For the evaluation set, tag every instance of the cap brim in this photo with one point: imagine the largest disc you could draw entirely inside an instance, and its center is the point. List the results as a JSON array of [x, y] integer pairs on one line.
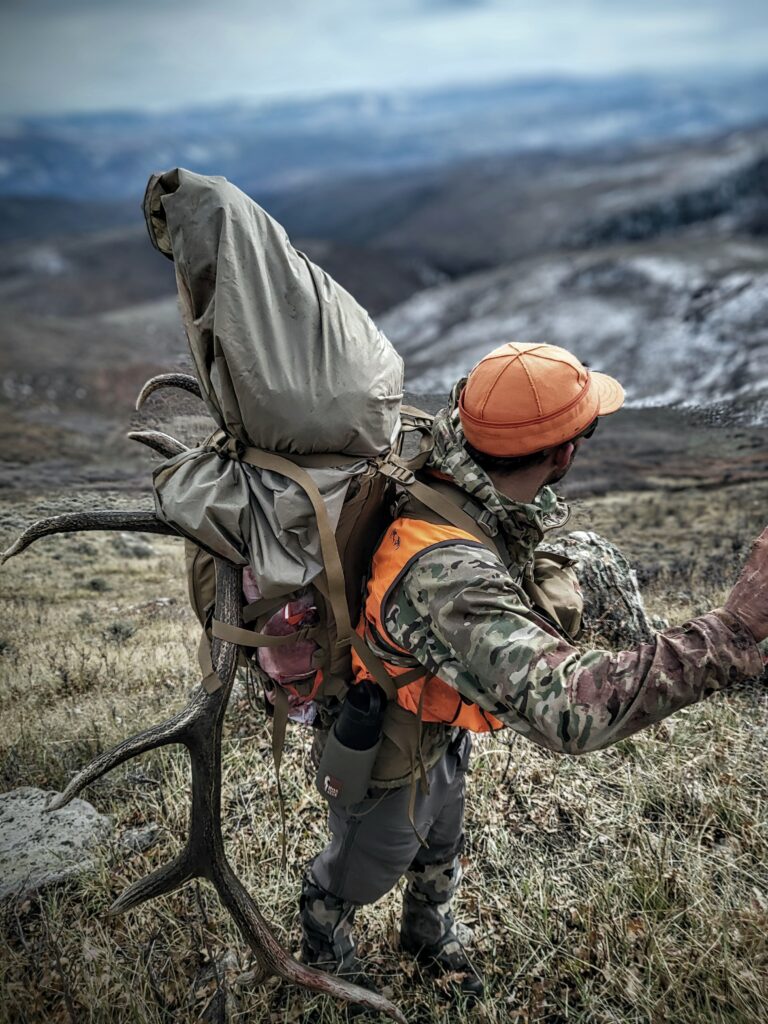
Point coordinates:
[[609, 392]]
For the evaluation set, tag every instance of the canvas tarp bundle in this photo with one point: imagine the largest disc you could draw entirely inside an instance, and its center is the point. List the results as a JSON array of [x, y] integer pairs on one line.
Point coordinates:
[[286, 358], [250, 516], [287, 361]]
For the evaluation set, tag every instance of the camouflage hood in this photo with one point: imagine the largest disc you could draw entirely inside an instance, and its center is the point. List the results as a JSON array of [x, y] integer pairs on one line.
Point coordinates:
[[522, 524]]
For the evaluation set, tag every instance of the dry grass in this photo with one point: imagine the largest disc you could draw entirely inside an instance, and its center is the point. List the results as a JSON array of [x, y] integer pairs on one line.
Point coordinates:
[[628, 885]]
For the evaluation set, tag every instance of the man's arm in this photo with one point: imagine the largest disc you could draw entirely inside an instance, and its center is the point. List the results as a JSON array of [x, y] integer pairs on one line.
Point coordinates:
[[459, 613]]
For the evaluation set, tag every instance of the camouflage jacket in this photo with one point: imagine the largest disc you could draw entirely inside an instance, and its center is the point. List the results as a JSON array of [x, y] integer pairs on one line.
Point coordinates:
[[460, 613]]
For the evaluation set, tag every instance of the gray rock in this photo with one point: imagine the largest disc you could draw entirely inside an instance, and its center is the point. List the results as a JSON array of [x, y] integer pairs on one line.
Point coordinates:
[[613, 606], [38, 847]]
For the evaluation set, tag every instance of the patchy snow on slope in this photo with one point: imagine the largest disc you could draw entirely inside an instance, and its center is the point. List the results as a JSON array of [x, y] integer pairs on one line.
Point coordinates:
[[675, 323]]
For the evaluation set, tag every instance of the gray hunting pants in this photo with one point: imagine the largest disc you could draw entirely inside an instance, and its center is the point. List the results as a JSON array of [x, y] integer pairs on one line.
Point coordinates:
[[373, 845]]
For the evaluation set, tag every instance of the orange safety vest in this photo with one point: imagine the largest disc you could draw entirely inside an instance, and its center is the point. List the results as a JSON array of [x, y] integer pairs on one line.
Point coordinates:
[[427, 696]]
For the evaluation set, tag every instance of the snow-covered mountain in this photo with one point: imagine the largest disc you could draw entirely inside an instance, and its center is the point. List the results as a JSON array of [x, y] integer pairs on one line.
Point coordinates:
[[678, 321]]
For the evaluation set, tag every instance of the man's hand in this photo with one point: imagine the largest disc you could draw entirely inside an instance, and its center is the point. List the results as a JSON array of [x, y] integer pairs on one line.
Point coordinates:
[[748, 600]]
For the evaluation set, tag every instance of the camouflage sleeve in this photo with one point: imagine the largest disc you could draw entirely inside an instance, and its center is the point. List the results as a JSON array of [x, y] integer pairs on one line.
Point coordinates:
[[458, 611]]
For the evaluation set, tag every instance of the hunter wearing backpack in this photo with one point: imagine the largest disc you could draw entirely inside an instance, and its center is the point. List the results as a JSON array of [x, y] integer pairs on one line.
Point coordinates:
[[465, 625], [491, 649]]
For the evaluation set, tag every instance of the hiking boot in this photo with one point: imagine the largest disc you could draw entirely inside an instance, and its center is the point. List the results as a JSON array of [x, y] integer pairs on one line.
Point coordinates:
[[351, 970], [449, 958]]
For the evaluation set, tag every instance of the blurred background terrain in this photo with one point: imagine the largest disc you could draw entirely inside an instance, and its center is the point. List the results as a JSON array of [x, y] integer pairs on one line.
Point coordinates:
[[626, 219]]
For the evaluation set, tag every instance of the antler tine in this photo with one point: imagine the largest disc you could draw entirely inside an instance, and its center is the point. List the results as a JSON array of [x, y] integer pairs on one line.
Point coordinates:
[[171, 731], [159, 442], [99, 519], [198, 727], [185, 381], [160, 882]]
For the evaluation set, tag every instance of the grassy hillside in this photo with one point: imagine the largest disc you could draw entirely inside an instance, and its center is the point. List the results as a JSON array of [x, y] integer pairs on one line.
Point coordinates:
[[627, 885]]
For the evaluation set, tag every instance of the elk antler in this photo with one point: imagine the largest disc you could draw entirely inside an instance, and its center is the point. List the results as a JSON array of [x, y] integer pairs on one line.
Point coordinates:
[[198, 727], [159, 442], [99, 519], [185, 381]]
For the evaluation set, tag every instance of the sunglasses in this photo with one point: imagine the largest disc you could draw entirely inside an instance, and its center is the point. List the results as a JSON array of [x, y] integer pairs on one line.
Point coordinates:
[[590, 429]]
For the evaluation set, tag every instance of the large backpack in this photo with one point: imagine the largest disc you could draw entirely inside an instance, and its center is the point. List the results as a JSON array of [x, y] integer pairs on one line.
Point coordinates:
[[338, 592], [306, 392]]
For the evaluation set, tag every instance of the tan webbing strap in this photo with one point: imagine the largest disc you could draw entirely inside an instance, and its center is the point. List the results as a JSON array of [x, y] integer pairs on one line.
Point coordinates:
[[422, 773], [437, 502], [406, 678], [279, 725], [389, 684], [210, 681], [415, 419], [476, 512], [330, 552], [250, 638], [225, 443], [321, 460], [374, 666], [263, 606], [446, 508], [443, 506]]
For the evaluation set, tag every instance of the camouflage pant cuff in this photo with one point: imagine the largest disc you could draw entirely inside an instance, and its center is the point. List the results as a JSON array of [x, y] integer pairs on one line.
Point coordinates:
[[427, 915], [433, 883], [327, 928]]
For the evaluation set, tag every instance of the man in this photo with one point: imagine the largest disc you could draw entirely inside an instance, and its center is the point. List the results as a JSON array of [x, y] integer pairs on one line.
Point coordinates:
[[491, 624]]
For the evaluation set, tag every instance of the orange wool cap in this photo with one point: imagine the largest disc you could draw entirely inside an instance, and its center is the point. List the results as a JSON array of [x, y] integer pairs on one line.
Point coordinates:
[[524, 398]]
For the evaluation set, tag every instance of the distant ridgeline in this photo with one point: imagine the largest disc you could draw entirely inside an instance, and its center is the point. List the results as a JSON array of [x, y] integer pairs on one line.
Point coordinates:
[[275, 145]]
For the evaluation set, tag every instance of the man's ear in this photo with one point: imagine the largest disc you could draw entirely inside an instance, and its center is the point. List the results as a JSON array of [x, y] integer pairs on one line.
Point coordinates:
[[563, 454]]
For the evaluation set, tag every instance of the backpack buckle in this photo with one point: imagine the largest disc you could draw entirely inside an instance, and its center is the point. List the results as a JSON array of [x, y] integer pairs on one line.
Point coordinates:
[[394, 471], [228, 447], [487, 522]]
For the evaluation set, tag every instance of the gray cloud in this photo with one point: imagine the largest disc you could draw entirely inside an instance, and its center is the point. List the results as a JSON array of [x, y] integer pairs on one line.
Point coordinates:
[[92, 54], [454, 5]]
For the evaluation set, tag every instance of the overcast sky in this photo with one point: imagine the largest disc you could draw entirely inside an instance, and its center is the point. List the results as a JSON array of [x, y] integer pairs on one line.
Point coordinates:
[[60, 55]]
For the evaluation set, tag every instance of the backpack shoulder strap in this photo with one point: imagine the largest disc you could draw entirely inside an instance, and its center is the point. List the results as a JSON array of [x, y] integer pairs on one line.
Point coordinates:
[[445, 501], [414, 419], [448, 502]]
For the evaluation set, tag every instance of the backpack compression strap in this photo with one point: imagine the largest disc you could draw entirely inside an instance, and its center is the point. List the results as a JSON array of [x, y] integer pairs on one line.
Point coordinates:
[[328, 548]]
